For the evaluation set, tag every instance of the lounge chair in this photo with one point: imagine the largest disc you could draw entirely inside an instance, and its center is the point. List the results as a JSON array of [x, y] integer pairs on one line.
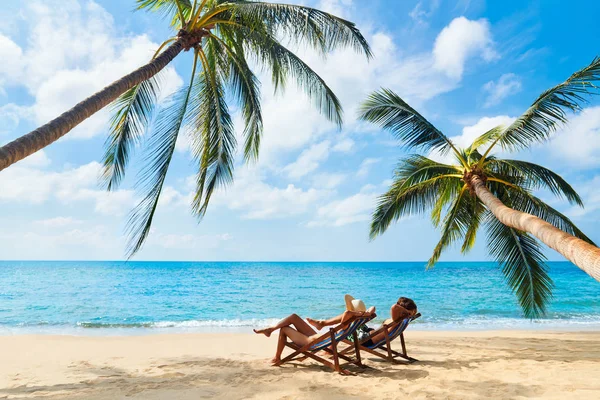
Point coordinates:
[[328, 342], [383, 348]]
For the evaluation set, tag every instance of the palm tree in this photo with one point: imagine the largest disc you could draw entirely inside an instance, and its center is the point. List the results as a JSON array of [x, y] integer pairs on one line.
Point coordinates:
[[480, 189], [225, 36]]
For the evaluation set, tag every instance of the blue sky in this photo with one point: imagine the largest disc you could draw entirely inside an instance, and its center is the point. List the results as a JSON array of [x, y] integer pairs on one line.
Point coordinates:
[[466, 65]]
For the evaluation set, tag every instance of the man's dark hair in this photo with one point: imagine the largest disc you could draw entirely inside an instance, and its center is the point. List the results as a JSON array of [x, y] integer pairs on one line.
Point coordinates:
[[407, 303]]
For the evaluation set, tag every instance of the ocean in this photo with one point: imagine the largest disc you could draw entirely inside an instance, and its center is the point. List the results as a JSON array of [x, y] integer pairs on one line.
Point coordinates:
[[105, 298]]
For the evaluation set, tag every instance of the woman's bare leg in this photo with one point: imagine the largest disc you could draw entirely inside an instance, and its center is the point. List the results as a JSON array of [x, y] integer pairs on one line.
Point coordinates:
[[294, 320], [297, 337], [280, 346]]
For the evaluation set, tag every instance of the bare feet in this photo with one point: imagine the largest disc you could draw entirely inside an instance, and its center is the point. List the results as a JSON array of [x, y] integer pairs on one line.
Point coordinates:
[[267, 331], [275, 360], [317, 323]]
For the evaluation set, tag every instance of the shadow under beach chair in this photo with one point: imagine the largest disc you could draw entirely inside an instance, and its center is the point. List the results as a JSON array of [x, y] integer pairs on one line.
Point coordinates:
[[382, 348], [328, 342]]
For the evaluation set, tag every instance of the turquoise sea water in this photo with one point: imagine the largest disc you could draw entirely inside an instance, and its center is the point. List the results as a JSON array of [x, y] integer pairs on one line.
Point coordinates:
[[154, 297]]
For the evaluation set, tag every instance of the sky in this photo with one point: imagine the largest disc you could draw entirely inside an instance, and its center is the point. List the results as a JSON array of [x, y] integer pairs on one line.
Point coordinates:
[[466, 65]]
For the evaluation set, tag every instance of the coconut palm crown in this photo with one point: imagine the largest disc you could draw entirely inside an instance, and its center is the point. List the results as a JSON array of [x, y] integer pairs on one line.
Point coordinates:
[[225, 37], [480, 190]]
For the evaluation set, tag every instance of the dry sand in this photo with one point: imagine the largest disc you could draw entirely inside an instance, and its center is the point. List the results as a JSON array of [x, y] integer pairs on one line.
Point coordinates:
[[453, 365]]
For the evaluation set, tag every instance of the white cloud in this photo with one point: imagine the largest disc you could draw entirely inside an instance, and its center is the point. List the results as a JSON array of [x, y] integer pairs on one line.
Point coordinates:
[[73, 242], [461, 40], [355, 208], [64, 63], [11, 54], [291, 122], [506, 85], [344, 146], [116, 203], [308, 160], [336, 7], [187, 241], [365, 166], [420, 15], [590, 194], [58, 222], [170, 195], [10, 116], [578, 143], [97, 237], [328, 180], [259, 200], [38, 159], [470, 133], [36, 186]]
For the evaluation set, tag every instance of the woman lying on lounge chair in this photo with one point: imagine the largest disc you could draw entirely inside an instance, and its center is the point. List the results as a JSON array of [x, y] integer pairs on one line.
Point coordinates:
[[301, 333], [404, 308]]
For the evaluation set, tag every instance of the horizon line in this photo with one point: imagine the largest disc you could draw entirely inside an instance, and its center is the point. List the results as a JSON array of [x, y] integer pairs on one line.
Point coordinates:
[[271, 261]]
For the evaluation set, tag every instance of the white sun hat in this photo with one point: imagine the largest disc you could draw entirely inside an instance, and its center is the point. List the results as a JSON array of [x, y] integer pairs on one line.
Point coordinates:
[[353, 304]]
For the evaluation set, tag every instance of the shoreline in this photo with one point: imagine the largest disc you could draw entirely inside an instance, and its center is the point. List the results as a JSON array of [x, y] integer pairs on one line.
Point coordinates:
[[247, 329], [453, 365]]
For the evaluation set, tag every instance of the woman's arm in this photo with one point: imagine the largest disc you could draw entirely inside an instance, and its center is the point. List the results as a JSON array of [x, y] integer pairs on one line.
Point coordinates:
[[349, 314]]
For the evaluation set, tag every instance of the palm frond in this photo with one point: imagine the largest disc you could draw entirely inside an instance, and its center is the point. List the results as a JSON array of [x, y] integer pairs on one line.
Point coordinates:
[[462, 221], [523, 265], [477, 217], [544, 116], [534, 176], [283, 63], [175, 10], [214, 140], [486, 138], [445, 196], [417, 168], [160, 149], [246, 89], [456, 224], [300, 24], [386, 109], [132, 113], [404, 200]]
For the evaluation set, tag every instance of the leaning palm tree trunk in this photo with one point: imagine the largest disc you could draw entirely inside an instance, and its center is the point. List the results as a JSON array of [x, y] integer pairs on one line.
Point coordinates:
[[579, 252], [52, 131]]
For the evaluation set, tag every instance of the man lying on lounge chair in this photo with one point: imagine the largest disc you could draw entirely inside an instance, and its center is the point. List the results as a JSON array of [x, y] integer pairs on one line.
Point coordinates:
[[301, 333], [404, 308]]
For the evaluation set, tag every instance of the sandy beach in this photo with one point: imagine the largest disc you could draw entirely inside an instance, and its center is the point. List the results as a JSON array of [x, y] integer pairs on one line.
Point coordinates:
[[453, 365]]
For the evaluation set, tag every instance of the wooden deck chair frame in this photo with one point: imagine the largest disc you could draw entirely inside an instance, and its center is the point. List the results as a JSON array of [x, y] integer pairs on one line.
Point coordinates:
[[384, 349], [301, 353]]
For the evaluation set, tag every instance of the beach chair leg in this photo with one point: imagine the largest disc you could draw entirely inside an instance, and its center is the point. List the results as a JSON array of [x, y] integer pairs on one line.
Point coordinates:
[[291, 356], [336, 360], [308, 354], [323, 361], [357, 351], [403, 344], [409, 359], [348, 348], [404, 353], [388, 345]]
